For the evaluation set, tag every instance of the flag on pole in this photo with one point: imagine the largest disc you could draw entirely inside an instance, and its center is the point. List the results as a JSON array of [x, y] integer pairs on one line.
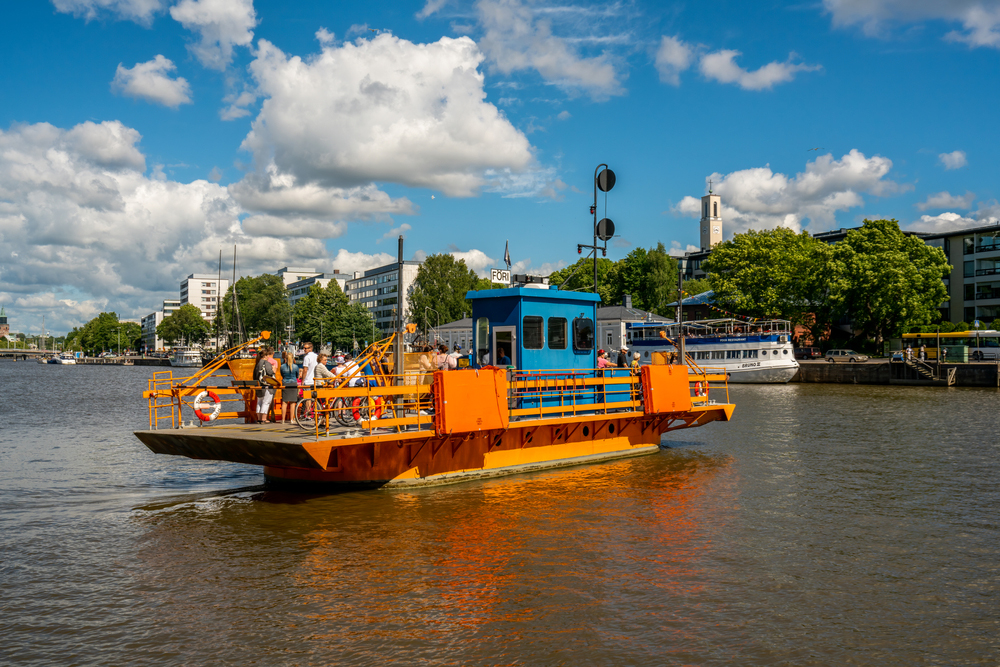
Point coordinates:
[[506, 254]]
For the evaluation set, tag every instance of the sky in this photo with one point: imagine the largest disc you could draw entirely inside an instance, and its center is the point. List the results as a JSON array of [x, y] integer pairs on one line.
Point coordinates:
[[139, 138]]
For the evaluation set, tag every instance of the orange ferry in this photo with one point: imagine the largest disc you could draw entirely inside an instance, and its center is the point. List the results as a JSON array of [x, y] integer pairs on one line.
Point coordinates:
[[383, 425]]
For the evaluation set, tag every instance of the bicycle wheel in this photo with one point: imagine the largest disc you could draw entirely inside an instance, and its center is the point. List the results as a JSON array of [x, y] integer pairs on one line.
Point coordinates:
[[342, 412], [305, 414]]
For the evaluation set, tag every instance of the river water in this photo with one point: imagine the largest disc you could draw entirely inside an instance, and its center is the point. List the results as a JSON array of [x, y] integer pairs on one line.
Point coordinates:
[[824, 525]]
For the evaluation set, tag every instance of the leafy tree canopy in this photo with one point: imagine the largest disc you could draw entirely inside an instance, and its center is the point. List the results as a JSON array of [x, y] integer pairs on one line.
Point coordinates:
[[579, 277], [697, 286], [263, 305], [441, 284], [325, 317], [184, 324], [772, 273], [885, 280], [105, 332]]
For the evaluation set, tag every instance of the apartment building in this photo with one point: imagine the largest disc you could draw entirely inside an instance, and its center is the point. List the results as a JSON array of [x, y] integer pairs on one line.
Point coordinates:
[[300, 288], [974, 282], [204, 291], [380, 290]]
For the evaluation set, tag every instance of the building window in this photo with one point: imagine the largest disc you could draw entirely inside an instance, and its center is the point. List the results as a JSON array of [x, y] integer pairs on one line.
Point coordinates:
[[970, 270], [531, 327], [557, 333], [970, 314], [715, 209], [583, 333], [968, 245], [970, 292]]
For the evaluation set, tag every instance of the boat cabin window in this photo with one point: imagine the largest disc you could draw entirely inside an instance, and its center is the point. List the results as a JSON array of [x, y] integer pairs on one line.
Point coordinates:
[[482, 338], [557, 333], [583, 333], [532, 327]]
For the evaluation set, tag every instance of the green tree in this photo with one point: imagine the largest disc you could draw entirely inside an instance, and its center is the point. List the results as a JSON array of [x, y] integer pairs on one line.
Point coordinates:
[[625, 277], [263, 305], [185, 323], [697, 286], [774, 273], [884, 280], [579, 277], [441, 284], [326, 316], [658, 284]]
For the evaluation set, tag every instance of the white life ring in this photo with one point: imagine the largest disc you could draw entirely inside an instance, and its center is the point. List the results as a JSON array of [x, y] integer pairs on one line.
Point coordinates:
[[199, 406], [699, 390]]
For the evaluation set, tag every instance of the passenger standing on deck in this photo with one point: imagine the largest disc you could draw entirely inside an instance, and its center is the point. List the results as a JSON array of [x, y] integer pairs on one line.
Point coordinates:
[[289, 385], [623, 358], [603, 361], [308, 365], [909, 352], [322, 372], [441, 360], [453, 358], [263, 369]]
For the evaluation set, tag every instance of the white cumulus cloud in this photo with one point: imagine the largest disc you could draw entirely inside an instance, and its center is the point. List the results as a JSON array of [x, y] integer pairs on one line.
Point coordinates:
[[953, 160], [382, 110], [221, 24], [517, 36], [980, 19], [759, 198], [81, 219], [947, 200], [721, 66], [151, 81], [673, 57]]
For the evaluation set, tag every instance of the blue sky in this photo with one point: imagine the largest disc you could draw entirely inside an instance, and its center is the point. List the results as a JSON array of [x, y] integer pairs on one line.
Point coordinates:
[[139, 137]]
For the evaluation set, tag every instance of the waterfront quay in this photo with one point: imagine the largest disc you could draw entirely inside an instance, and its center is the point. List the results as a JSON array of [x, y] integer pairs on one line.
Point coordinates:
[[123, 360], [882, 371]]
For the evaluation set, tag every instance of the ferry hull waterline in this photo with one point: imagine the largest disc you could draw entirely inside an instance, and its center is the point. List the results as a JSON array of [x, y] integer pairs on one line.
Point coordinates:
[[547, 407]]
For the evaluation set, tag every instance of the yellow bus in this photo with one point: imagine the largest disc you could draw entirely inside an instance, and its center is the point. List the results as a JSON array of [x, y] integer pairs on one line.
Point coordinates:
[[982, 345]]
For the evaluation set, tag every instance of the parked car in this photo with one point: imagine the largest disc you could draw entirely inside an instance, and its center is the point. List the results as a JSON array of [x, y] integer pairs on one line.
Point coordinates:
[[845, 355], [808, 353]]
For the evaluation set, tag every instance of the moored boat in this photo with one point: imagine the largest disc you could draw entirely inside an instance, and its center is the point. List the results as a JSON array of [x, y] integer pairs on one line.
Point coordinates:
[[186, 357], [64, 359], [750, 351], [545, 406]]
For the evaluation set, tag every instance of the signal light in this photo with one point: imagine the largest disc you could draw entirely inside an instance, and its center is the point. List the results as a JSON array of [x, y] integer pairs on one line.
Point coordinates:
[[593, 210], [579, 250]]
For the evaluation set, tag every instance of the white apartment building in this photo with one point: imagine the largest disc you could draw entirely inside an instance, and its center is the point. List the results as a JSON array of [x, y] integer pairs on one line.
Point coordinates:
[[294, 274], [204, 291], [300, 288], [379, 291]]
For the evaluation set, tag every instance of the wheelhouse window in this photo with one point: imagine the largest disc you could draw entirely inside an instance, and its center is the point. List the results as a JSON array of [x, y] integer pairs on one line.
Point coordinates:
[[557, 333], [583, 333], [531, 325]]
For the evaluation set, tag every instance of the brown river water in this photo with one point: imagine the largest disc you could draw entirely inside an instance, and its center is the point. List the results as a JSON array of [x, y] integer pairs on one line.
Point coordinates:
[[824, 525]]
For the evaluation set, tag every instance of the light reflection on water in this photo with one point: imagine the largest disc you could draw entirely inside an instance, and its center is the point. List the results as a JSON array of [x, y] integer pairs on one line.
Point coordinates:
[[824, 525]]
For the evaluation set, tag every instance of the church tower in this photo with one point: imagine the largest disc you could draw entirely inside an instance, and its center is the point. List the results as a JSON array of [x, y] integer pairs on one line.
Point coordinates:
[[711, 220]]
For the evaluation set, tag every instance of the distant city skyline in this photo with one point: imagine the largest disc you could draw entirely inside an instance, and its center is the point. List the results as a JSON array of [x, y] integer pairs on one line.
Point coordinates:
[[138, 138]]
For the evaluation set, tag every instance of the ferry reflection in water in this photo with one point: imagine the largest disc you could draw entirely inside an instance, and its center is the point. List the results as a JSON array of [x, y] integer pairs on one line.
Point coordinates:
[[552, 560]]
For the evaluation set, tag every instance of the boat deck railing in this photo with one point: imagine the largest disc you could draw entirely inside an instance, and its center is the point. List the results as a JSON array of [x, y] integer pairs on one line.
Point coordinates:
[[398, 404]]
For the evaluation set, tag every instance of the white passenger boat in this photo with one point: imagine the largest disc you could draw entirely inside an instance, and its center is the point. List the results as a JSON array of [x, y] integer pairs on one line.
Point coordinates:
[[65, 359], [186, 357], [751, 351]]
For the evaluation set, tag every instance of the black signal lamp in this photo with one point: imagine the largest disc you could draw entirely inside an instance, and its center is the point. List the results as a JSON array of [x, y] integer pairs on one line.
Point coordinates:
[[593, 209]]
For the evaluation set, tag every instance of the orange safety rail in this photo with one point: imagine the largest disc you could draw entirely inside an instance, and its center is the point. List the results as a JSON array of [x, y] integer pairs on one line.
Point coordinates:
[[393, 406]]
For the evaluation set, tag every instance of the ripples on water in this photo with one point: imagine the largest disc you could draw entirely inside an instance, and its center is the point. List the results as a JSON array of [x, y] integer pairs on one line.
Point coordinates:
[[825, 525]]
